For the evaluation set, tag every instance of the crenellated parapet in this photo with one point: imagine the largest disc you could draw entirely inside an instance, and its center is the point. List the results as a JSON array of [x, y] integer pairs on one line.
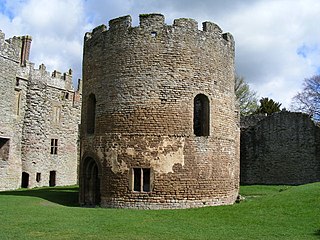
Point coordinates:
[[153, 24], [10, 49], [56, 78]]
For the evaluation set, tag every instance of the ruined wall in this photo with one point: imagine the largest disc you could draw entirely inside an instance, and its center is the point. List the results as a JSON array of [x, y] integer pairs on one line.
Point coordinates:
[[10, 131], [35, 108], [281, 149], [145, 80], [53, 113]]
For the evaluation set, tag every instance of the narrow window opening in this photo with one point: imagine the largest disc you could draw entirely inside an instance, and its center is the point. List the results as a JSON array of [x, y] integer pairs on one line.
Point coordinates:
[[137, 179], [91, 114], [141, 179], [146, 179], [54, 146], [38, 177], [66, 95], [201, 115]]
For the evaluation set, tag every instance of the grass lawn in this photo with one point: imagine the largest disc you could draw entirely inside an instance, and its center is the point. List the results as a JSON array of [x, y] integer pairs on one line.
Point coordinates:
[[268, 212]]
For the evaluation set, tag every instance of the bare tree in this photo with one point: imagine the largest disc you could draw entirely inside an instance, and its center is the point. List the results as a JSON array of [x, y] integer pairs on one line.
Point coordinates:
[[247, 99], [308, 100]]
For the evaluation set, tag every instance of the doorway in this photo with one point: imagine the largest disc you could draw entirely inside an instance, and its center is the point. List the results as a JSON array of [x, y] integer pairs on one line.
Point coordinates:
[[91, 183], [25, 180], [52, 179]]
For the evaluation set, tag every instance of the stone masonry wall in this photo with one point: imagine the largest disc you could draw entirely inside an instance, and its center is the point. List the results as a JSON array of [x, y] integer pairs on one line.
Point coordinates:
[[145, 80], [10, 134], [281, 149], [35, 108], [53, 113]]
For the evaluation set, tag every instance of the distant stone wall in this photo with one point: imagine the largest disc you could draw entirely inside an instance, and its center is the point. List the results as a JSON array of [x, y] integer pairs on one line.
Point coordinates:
[[283, 148], [53, 113], [10, 124], [36, 107], [144, 83]]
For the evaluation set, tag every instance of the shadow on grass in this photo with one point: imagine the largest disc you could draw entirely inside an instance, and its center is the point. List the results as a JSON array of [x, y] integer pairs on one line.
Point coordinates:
[[66, 196], [317, 233]]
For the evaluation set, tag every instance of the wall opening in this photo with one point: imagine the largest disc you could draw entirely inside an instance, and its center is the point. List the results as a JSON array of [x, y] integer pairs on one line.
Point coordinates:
[[91, 183], [38, 177], [4, 148], [201, 115], [91, 114], [141, 179], [54, 146], [25, 180], [52, 179]]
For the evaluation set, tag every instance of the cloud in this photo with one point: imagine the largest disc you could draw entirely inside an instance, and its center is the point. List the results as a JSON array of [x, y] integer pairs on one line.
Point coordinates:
[[277, 41], [57, 29], [269, 36]]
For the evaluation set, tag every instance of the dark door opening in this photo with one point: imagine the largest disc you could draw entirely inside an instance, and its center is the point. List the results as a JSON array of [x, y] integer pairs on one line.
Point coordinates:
[[25, 180], [52, 179], [91, 183]]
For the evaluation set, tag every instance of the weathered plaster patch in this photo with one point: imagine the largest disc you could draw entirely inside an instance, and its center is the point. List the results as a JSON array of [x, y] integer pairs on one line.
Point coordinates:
[[116, 166], [130, 151], [166, 157]]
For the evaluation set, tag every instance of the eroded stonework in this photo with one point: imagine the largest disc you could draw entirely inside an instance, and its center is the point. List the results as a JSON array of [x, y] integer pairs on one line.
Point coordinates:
[[282, 148], [159, 123], [39, 118]]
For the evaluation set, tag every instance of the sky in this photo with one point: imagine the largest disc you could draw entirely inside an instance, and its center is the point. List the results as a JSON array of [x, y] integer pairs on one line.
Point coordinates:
[[277, 41]]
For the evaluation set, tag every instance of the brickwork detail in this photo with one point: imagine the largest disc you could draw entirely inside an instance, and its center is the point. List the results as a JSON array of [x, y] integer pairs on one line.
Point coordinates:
[[280, 149], [145, 80], [35, 107]]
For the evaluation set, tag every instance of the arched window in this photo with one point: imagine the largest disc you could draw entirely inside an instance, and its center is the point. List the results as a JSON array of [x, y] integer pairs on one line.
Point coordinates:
[[201, 115], [91, 113]]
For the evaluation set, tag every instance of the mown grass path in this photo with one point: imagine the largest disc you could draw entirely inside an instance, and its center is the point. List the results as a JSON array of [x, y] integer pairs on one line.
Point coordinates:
[[268, 212]]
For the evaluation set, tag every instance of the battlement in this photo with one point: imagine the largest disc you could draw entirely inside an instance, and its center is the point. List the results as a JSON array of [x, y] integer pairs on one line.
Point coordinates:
[[153, 23], [56, 78], [62, 80], [154, 20], [120, 23], [10, 48]]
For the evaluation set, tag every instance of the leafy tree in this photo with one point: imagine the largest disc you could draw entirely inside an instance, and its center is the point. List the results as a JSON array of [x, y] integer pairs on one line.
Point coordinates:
[[308, 100], [268, 106], [247, 99]]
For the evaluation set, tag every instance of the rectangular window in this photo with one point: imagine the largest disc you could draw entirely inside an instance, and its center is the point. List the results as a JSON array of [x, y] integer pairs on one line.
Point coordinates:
[[141, 179], [54, 146], [38, 177]]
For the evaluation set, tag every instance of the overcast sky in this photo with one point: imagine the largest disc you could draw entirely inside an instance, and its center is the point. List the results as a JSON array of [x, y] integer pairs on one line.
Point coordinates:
[[277, 41]]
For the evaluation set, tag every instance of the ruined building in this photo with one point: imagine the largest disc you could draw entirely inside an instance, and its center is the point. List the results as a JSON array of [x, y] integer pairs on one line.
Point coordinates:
[[39, 117], [159, 124], [282, 148]]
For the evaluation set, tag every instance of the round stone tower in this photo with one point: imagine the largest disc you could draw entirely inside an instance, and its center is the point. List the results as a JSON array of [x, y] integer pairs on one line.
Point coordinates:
[[159, 123]]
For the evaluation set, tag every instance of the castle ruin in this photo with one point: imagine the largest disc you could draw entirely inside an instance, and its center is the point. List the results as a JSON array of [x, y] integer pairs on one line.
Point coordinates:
[[39, 117], [282, 148], [159, 123]]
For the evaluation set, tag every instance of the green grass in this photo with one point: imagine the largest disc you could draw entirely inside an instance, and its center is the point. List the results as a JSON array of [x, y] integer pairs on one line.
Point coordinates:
[[268, 212]]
